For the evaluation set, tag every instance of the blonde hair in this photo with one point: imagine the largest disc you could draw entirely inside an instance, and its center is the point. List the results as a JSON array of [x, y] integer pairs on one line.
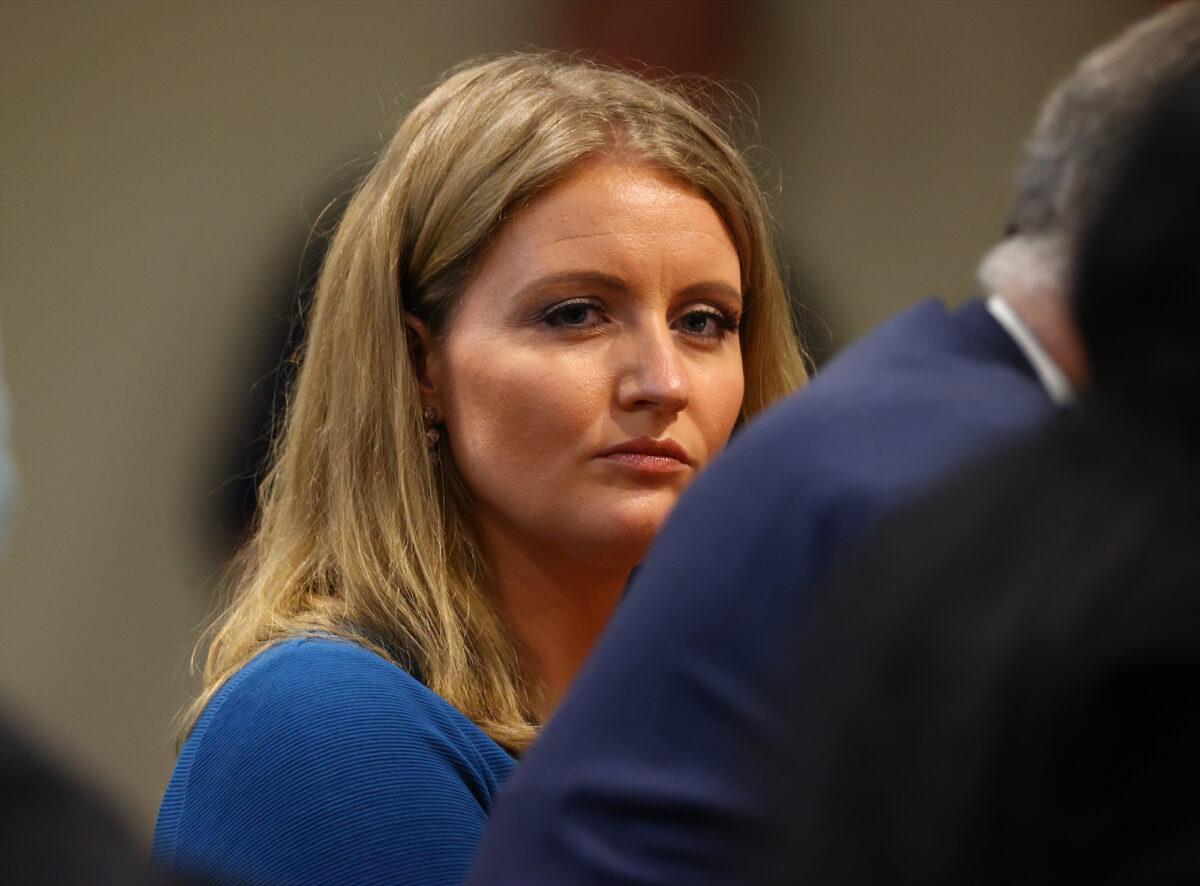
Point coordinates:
[[362, 534]]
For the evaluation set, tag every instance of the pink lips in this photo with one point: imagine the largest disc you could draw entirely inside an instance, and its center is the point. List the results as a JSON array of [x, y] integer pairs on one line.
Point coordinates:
[[648, 454]]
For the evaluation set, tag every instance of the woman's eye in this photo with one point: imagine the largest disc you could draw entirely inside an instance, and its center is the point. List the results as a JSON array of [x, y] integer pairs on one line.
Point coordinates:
[[573, 315], [706, 324]]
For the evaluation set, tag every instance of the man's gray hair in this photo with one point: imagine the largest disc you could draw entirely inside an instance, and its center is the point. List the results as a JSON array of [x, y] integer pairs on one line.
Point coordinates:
[[1078, 141]]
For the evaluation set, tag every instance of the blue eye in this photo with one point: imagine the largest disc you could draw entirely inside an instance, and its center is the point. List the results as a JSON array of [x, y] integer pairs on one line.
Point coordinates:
[[706, 324], [698, 323], [580, 314]]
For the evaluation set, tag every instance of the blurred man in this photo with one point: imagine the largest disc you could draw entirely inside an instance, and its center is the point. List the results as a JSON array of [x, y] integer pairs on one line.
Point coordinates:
[[657, 767], [1022, 705]]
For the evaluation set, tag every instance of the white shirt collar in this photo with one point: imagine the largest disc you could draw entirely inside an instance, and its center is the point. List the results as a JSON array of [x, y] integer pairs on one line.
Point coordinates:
[[1057, 386]]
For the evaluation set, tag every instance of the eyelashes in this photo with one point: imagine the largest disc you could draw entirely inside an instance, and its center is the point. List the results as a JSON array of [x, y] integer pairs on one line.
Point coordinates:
[[702, 321], [574, 313], [712, 322]]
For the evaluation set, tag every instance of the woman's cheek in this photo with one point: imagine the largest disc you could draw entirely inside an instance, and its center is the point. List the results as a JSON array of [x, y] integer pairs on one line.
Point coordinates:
[[523, 411]]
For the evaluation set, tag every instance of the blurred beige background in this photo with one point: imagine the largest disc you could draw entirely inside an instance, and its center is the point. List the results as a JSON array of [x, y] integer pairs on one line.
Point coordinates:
[[161, 164]]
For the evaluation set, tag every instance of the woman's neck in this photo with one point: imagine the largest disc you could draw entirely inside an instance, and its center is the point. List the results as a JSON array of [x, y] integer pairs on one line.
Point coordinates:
[[556, 607]]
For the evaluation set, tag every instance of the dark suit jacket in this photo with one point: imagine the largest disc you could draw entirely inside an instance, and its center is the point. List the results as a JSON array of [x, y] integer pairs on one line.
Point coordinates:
[[1006, 689], [653, 769]]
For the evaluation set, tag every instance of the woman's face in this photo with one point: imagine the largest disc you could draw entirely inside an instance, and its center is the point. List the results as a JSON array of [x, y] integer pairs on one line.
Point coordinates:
[[593, 366]]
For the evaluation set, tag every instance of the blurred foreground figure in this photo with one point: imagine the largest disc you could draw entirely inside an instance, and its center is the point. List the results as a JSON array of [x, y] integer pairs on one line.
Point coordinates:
[[659, 766], [53, 831], [1007, 689]]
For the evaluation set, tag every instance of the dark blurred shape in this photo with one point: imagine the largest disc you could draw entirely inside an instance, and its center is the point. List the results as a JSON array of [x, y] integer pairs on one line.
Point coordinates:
[[1139, 276], [270, 371], [243, 467], [55, 832], [681, 36]]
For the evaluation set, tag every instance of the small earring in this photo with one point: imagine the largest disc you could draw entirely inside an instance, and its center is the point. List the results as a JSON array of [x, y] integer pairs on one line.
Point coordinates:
[[430, 416]]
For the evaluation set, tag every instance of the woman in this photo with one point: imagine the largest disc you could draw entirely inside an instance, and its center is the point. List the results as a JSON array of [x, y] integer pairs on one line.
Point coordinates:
[[545, 309]]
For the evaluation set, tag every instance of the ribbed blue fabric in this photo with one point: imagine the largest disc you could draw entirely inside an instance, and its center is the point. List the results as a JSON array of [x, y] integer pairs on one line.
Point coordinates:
[[320, 762]]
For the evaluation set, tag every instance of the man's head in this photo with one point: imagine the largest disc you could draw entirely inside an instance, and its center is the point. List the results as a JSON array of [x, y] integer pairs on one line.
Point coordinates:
[[1079, 139], [1144, 241]]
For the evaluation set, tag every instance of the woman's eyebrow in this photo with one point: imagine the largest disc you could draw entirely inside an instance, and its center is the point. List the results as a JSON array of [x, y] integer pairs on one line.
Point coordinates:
[[597, 279], [602, 280], [713, 289]]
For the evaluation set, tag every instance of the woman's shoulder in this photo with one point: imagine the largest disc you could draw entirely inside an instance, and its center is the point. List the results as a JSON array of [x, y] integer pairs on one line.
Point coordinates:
[[315, 669], [322, 729], [326, 685], [321, 689]]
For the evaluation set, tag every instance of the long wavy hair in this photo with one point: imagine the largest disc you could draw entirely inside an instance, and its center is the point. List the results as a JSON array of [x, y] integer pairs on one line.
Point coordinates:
[[362, 533]]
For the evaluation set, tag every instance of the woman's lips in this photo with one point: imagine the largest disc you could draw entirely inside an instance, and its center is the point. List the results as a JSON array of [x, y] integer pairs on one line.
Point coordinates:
[[649, 455], [655, 464]]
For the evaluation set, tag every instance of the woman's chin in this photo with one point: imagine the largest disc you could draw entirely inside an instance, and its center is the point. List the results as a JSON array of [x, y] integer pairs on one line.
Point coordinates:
[[622, 539]]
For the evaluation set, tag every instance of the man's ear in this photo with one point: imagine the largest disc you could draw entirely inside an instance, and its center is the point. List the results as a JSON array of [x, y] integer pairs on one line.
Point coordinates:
[[426, 361]]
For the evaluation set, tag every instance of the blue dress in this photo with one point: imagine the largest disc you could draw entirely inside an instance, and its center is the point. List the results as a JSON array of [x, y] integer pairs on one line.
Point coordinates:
[[321, 762]]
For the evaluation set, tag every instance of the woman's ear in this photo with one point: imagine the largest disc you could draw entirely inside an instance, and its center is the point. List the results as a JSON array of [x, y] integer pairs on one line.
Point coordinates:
[[426, 361]]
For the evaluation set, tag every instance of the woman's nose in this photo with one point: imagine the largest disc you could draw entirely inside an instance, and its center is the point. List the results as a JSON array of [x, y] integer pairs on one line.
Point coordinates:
[[654, 376]]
